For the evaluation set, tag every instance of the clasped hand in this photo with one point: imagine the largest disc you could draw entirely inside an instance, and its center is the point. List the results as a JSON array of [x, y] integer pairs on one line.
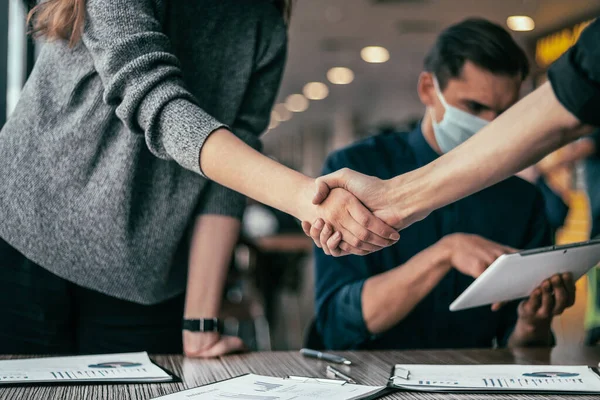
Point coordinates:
[[345, 221], [362, 216]]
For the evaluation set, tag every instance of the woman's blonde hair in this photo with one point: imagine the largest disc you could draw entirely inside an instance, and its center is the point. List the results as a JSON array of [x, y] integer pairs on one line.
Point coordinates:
[[64, 19], [58, 19]]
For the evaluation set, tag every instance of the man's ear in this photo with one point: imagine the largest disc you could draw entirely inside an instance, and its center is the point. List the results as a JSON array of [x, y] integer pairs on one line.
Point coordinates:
[[426, 89]]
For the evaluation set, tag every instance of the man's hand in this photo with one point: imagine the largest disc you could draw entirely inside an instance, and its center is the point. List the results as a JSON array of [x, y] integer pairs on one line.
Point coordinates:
[[472, 254], [387, 298], [210, 345], [551, 298], [353, 226], [371, 191], [389, 202]]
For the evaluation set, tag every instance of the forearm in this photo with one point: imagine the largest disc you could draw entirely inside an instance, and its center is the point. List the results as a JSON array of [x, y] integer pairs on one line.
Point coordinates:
[[230, 162], [530, 335], [211, 248], [389, 297], [532, 128]]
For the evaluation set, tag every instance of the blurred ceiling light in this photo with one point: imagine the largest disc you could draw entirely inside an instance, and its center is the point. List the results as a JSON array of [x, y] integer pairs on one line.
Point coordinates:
[[283, 114], [340, 75], [316, 90], [296, 103], [520, 23], [274, 120], [375, 54], [275, 116]]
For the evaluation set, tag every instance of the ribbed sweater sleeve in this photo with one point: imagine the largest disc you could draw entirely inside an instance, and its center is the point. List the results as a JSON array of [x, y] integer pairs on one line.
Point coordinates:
[[143, 79]]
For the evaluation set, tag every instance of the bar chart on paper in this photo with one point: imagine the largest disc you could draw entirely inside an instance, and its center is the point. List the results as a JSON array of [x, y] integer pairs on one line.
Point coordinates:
[[499, 378], [128, 367], [259, 387]]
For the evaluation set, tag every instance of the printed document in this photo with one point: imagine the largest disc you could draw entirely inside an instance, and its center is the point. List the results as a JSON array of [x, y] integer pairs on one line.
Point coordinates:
[[128, 367], [496, 378], [257, 387]]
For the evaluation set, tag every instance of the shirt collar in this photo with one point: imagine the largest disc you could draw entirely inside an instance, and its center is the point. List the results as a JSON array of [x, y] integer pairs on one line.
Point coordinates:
[[424, 153]]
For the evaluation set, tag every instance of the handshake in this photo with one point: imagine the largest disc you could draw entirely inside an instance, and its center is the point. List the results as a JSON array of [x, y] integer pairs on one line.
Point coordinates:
[[358, 214]]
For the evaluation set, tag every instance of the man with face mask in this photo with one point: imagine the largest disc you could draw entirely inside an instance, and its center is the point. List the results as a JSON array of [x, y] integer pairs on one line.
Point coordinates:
[[399, 297]]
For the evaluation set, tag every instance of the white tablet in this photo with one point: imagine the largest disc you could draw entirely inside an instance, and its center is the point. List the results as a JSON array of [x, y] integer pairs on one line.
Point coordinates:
[[515, 276]]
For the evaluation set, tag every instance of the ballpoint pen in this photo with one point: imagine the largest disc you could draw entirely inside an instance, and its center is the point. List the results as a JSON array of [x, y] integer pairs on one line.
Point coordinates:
[[334, 373], [325, 356]]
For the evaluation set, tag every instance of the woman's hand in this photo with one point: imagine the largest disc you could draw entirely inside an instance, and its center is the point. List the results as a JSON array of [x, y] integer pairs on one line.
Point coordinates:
[[210, 344], [345, 219], [393, 203], [211, 248], [229, 161]]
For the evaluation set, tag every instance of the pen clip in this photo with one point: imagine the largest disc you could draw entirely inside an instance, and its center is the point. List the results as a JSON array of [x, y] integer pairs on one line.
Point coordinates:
[[330, 371], [404, 373]]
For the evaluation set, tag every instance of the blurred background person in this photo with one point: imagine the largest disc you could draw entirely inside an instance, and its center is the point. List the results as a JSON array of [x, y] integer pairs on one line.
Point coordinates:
[[399, 298]]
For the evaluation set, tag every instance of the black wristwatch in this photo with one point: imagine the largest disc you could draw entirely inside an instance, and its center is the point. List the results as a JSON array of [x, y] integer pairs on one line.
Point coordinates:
[[203, 325]]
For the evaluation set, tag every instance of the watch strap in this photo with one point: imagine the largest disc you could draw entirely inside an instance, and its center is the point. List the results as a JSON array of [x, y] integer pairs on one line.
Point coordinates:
[[203, 325]]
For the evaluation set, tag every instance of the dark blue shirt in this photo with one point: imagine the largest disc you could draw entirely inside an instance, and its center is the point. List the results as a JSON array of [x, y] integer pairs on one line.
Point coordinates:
[[510, 212], [556, 208]]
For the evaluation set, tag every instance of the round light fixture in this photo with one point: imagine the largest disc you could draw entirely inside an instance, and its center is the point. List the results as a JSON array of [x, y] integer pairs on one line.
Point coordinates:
[[316, 91], [340, 75], [296, 103], [375, 54], [283, 114], [520, 23]]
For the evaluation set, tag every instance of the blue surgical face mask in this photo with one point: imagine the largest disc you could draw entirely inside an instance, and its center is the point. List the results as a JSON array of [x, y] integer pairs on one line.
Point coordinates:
[[456, 126]]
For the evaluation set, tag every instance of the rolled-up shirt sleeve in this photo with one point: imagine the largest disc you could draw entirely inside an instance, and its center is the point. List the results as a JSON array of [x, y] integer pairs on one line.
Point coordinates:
[[575, 76], [142, 78], [339, 284]]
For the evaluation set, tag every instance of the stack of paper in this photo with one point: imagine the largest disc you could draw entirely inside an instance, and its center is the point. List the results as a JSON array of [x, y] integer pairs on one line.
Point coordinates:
[[496, 378], [128, 367], [257, 387]]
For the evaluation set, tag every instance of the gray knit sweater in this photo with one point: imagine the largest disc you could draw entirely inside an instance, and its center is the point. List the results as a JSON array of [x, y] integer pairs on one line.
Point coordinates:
[[99, 163]]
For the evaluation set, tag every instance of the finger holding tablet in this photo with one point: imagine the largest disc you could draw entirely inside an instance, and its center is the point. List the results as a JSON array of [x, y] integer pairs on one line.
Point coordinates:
[[546, 276], [551, 298]]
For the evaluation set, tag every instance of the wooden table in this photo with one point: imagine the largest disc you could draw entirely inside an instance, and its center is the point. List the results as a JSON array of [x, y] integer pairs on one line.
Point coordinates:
[[370, 368]]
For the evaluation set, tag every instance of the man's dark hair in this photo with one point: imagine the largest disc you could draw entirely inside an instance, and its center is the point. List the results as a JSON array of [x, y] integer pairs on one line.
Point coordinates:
[[485, 44]]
